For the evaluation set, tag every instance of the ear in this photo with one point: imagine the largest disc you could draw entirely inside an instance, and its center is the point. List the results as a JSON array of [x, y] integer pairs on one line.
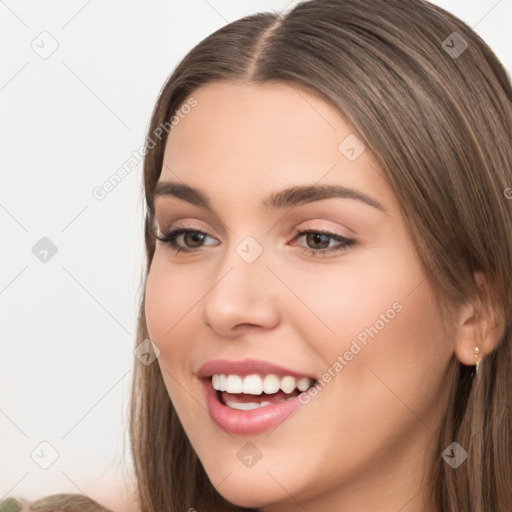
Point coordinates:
[[480, 324]]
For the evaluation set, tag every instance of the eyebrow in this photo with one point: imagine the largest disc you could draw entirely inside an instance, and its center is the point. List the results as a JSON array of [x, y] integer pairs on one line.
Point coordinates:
[[289, 197]]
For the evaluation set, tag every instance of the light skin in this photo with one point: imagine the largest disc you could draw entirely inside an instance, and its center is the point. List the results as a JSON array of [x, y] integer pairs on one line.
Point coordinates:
[[362, 441]]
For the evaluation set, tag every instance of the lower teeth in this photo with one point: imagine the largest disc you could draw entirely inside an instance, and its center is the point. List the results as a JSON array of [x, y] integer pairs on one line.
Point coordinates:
[[247, 406]]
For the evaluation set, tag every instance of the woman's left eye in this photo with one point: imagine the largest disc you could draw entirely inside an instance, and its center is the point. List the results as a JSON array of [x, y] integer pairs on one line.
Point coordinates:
[[320, 237], [316, 238]]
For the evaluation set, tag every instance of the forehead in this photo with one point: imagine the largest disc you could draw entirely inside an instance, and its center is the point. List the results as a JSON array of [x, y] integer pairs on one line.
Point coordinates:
[[255, 137], [277, 114]]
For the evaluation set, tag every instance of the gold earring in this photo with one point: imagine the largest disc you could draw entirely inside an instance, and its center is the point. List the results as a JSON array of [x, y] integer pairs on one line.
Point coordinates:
[[478, 358], [477, 354]]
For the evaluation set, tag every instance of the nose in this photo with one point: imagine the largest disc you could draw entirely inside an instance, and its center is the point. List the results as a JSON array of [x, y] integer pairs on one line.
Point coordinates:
[[241, 297]]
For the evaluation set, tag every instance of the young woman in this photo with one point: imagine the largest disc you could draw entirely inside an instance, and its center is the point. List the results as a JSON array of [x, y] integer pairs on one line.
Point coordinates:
[[329, 268]]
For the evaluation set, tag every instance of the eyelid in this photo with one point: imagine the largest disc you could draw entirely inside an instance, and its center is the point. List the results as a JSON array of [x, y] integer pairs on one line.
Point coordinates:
[[320, 225], [169, 213], [184, 225]]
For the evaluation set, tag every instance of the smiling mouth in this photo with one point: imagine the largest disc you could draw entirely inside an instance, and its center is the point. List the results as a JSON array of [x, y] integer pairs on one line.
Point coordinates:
[[255, 391]]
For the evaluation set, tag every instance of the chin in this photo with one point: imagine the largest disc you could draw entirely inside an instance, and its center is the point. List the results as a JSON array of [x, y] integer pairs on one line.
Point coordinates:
[[250, 494], [253, 487]]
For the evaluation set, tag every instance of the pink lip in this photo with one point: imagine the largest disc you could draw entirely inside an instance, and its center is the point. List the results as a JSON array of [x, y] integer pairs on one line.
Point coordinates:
[[246, 367], [254, 421]]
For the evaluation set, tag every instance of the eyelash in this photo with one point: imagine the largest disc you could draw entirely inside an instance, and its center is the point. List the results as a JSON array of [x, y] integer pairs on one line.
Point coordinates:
[[170, 239]]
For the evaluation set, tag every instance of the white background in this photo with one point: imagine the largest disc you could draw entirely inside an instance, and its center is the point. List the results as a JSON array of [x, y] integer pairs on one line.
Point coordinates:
[[68, 123]]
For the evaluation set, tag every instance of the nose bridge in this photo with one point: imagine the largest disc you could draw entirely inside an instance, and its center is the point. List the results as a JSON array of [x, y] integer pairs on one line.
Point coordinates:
[[240, 293], [243, 263]]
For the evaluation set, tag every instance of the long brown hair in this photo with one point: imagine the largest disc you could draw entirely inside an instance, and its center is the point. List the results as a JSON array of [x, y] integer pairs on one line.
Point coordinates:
[[435, 108]]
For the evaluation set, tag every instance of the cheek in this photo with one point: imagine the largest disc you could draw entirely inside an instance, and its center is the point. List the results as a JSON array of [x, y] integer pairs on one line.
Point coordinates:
[[382, 311], [167, 305], [168, 301], [157, 302]]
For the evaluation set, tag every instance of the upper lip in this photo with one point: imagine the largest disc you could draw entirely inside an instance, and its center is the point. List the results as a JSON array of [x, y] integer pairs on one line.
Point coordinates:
[[244, 367]]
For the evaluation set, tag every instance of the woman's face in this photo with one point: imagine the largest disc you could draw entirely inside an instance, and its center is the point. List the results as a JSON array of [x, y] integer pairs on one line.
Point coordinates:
[[353, 309]]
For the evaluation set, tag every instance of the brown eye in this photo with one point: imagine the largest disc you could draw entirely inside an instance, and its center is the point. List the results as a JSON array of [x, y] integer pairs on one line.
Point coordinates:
[[192, 238], [318, 242], [316, 239]]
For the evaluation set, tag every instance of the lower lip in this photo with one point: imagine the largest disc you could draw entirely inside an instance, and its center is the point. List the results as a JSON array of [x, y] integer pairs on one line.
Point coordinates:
[[254, 421]]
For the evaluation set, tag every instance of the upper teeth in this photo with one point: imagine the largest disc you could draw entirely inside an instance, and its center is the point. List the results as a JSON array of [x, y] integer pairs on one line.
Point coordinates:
[[255, 385]]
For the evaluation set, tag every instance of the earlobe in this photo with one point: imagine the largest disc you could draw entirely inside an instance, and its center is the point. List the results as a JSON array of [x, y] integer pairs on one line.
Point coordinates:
[[468, 345], [478, 333]]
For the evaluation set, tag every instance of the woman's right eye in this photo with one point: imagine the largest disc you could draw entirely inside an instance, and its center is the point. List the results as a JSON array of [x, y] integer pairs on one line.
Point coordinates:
[[189, 235]]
